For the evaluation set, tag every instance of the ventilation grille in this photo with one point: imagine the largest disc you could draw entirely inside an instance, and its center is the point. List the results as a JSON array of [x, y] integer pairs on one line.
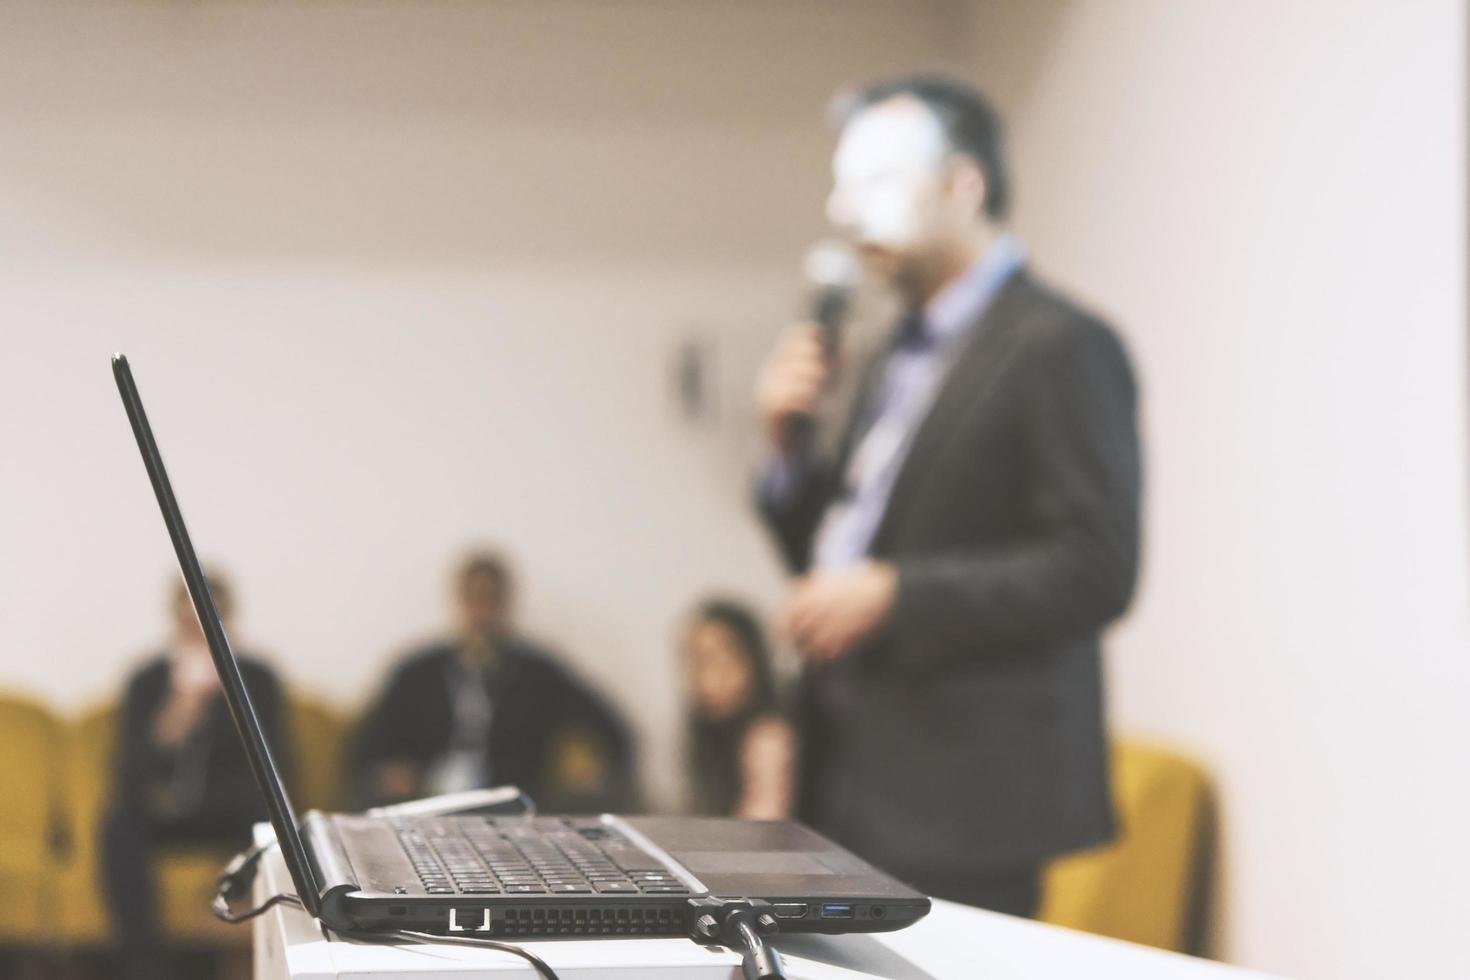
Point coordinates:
[[589, 922]]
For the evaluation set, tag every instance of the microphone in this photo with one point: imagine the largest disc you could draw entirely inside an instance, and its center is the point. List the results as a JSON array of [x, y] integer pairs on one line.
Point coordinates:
[[832, 274], [832, 271]]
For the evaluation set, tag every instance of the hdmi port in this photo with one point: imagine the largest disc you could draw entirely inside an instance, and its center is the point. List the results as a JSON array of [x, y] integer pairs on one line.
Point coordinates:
[[790, 910]]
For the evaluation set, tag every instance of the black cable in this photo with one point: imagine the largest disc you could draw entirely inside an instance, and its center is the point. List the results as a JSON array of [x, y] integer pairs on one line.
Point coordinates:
[[222, 911], [235, 881], [740, 925], [757, 960], [537, 963]]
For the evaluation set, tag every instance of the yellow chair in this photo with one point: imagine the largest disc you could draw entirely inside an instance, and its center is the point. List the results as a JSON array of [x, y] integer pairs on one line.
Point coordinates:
[[1145, 886], [319, 736], [85, 786], [32, 738], [187, 876], [578, 770]]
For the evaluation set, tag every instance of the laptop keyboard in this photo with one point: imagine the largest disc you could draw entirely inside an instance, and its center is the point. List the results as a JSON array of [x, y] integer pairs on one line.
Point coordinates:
[[541, 856]]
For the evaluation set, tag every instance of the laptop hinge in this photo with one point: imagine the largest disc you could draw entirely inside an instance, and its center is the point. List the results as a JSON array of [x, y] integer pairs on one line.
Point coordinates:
[[329, 861]]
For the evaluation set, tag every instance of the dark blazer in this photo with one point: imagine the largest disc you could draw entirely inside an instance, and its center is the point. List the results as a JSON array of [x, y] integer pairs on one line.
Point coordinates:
[[966, 738], [533, 700], [228, 802]]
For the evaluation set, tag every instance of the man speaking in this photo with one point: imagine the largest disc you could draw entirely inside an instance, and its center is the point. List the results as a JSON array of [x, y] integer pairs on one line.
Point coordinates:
[[976, 529]]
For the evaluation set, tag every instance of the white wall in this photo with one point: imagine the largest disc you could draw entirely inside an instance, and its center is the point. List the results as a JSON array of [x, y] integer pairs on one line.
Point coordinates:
[[398, 277], [1269, 199], [401, 276]]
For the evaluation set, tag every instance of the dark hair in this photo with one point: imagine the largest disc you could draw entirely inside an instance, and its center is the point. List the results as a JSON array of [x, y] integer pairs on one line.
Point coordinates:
[[715, 744], [751, 639], [219, 589], [971, 126], [488, 563]]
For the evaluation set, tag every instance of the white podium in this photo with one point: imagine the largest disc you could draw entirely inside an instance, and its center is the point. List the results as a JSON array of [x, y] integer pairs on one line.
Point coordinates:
[[953, 942]]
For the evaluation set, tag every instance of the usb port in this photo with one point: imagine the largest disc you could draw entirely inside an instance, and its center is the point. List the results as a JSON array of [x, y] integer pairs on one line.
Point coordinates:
[[830, 911], [790, 910]]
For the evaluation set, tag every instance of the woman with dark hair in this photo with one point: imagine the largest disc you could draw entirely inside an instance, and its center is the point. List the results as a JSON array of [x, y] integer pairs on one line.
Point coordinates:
[[741, 749]]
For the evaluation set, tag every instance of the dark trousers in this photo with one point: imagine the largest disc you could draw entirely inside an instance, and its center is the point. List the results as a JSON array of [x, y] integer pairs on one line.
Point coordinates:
[[1015, 893], [129, 845]]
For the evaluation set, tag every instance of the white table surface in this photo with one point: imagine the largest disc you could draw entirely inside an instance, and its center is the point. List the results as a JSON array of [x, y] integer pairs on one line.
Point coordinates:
[[953, 942]]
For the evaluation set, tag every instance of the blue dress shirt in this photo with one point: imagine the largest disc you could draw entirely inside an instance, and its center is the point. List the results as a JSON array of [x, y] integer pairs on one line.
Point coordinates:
[[912, 373]]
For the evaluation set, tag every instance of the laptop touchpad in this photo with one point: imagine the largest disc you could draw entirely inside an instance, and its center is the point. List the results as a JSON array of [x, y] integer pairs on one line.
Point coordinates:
[[752, 863]]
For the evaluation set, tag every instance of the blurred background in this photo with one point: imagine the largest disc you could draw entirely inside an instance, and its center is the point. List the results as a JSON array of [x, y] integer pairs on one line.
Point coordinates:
[[402, 277]]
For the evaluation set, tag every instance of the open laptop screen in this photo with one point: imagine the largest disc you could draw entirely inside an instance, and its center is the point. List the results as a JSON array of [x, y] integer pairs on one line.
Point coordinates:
[[262, 765]]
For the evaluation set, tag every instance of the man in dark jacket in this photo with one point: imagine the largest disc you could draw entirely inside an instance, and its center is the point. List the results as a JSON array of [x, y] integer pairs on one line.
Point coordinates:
[[490, 708], [976, 529]]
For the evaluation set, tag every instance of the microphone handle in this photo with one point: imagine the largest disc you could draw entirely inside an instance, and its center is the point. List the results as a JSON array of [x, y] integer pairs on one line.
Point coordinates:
[[801, 436], [828, 311]]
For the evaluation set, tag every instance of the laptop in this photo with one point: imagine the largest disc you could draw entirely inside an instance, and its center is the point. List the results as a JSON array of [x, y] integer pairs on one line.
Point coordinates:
[[530, 875]]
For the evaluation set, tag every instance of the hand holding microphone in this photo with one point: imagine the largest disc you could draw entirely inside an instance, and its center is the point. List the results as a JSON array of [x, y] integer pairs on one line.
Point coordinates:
[[798, 372], [791, 383]]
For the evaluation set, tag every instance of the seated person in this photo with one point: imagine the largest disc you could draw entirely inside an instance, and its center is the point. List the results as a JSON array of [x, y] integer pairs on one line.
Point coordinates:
[[489, 708], [181, 775], [741, 750]]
